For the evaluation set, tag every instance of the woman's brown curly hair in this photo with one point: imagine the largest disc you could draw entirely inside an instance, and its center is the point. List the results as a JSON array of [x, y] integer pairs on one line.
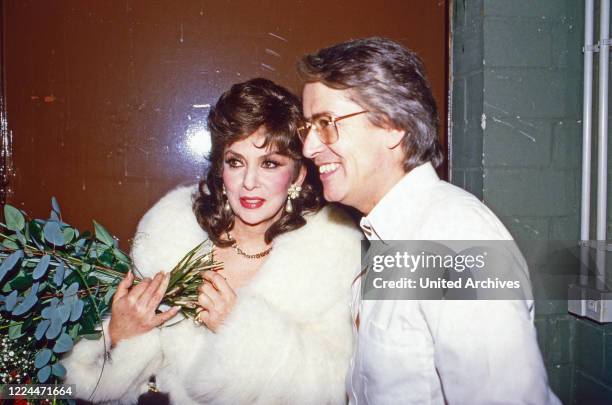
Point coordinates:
[[238, 113]]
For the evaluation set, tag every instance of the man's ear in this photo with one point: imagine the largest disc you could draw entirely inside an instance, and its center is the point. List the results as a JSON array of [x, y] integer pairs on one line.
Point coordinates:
[[301, 175], [394, 137]]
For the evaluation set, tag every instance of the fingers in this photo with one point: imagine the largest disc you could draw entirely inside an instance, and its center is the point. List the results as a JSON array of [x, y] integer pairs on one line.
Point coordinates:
[[208, 289], [159, 319], [203, 317], [219, 282], [205, 301], [138, 290], [124, 286], [154, 293]]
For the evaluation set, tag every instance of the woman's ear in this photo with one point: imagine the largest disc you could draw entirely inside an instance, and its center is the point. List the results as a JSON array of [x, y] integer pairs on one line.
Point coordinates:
[[301, 175]]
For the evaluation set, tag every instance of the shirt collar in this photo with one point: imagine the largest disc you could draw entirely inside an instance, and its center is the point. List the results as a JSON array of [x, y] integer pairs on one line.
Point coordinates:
[[381, 222]]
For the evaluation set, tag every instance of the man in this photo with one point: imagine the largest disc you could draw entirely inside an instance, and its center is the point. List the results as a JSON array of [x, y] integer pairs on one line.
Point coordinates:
[[371, 130]]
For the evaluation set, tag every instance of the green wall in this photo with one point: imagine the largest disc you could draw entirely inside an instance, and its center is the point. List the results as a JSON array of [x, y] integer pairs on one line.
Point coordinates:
[[516, 144]]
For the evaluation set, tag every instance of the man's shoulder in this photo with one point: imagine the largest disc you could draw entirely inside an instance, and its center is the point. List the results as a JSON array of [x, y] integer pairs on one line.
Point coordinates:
[[450, 212]]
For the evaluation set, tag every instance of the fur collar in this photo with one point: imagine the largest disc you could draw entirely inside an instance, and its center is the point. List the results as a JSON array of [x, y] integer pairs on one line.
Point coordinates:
[[300, 259]]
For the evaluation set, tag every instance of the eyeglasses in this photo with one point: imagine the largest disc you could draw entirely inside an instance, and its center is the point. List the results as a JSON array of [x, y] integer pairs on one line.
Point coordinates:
[[326, 127]]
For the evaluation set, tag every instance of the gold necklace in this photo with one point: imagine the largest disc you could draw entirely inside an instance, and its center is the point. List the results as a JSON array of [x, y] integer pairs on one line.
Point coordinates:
[[244, 254]]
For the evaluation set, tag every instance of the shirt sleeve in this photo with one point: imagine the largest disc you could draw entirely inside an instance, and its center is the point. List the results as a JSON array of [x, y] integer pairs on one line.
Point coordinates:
[[487, 352]]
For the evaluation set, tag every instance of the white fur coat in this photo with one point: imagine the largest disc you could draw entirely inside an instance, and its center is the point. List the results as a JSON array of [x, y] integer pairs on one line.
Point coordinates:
[[287, 341]]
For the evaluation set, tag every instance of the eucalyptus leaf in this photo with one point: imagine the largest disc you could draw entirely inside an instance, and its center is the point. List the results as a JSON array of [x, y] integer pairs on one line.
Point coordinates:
[[21, 238], [120, 255], [53, 233], [63, 311], [63, 344], [36, 234], [92, 336], [41, 267], [68, 300], [28, 302], [67, 273], [72, 290], [15, 331], [55, 206], [79, 246], [25, 305], [107, 257], [10, 244], [29, 262], [102, 235], [109, 295], [14, 218], [103, 277], [58, 370], [74, 332], [11, 300], [43, 374], [34, 288], [42, 358], [47, 312], [122, 267], [76, 310], [10, 262], [58, 277], [68, 235], [41, 328], [54, 217], [55, 328]]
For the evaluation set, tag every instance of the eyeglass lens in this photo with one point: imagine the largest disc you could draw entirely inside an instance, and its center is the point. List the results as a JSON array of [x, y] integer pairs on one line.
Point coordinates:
[[326, 130]]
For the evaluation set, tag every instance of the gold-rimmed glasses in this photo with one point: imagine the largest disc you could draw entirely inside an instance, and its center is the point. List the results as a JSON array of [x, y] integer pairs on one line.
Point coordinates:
[[325, 124]]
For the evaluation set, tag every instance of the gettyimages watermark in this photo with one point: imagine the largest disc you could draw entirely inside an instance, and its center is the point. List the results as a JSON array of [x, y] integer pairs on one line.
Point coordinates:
[[471, 270]]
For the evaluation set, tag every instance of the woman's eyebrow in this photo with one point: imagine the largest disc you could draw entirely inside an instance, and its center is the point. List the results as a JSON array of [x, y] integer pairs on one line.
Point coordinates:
[[229, 151], [271, 154]]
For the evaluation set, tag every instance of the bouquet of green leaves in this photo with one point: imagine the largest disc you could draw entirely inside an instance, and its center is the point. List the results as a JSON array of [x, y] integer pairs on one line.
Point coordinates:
[[56, 285]]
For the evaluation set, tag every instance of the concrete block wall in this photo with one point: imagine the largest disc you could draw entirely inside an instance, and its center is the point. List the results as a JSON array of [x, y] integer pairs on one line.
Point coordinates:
[[516, 144], [532, 109], [468, 96]]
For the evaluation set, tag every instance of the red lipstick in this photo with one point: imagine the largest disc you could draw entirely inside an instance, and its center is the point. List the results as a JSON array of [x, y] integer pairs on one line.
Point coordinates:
[[251, 202]]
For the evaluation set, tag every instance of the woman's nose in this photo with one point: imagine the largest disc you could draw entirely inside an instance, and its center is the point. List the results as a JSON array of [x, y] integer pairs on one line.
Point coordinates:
[[250, 178]]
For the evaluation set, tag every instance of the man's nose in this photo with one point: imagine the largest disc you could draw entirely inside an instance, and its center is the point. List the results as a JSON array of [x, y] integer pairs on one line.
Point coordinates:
[[312, 144]]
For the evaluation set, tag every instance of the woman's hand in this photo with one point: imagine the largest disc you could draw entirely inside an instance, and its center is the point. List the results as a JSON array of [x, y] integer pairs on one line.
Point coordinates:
[[217, 299], [133, 309]]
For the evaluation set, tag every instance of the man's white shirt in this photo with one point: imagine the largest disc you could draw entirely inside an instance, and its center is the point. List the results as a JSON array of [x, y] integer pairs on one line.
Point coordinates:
[[442, 352]]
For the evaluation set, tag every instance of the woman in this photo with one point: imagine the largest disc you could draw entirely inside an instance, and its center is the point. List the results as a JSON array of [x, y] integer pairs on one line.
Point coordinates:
[[274, 325]]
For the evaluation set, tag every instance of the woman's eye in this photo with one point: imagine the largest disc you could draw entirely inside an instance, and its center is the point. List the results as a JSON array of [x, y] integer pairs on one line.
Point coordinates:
[[270, 164], [233, 162]]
